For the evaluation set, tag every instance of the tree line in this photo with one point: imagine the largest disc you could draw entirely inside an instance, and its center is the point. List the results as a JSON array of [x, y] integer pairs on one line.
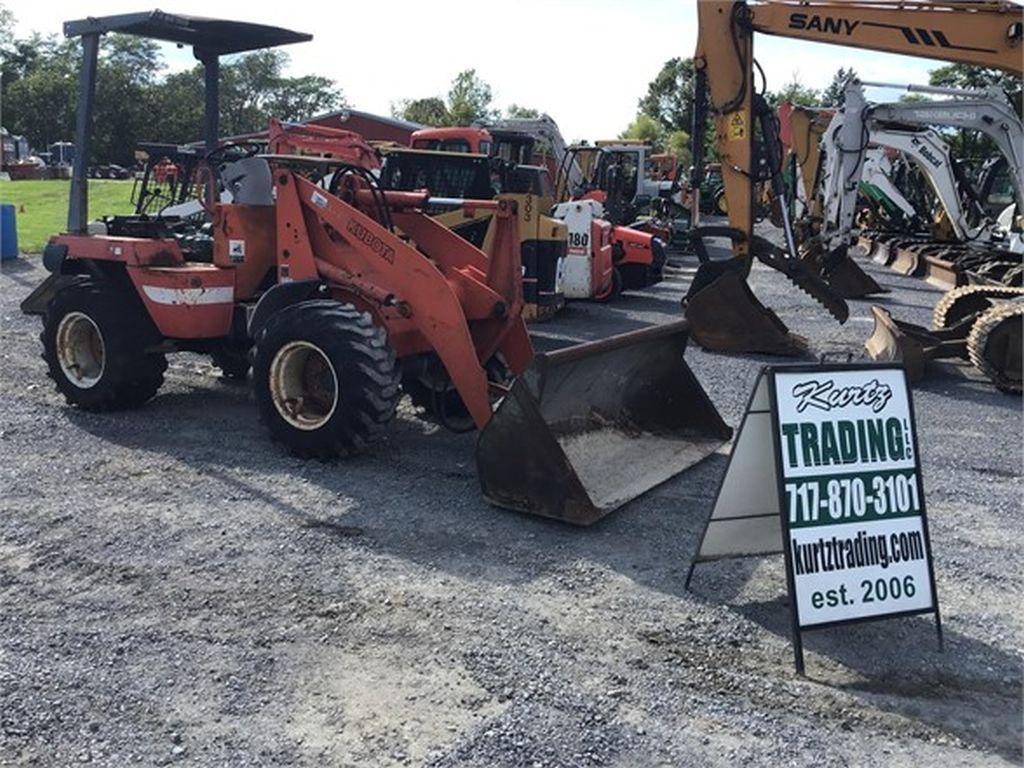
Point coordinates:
[[469, 100], [137, 99], [664, 115]]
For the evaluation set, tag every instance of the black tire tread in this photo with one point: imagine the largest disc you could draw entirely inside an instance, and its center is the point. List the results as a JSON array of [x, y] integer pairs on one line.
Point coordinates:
[[133, 375], [371, 396]]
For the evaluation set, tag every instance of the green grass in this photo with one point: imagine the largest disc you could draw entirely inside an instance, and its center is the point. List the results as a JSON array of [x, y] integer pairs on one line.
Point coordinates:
[[42, 206]]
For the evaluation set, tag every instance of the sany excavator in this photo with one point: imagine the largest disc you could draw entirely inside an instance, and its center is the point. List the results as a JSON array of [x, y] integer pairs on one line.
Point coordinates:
[[723, 312]]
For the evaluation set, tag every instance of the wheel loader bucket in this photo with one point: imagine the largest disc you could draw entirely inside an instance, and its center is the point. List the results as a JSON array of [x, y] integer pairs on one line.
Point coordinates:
[[588, 428], [726, 316]]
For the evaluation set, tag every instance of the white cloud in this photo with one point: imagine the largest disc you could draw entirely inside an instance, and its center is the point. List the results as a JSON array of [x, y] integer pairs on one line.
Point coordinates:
[[586, 63]]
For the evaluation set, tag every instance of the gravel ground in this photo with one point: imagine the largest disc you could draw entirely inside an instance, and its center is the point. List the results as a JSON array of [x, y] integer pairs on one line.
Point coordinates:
[[176, 590]]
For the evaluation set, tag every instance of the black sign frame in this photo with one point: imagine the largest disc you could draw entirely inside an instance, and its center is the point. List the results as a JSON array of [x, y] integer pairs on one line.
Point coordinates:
[[796, 629]]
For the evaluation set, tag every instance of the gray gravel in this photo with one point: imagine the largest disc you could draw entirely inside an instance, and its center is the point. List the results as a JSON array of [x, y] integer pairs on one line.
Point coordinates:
[[176, 590]]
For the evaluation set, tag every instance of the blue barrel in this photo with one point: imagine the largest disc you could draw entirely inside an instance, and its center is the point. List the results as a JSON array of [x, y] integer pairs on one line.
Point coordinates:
[[8, 232]]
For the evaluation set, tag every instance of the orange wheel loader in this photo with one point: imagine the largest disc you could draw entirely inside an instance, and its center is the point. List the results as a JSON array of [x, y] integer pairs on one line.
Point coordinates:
[[349, 296]]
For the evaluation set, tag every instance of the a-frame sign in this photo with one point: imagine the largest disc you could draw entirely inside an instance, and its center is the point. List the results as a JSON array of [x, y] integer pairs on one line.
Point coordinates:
[[825, 469]]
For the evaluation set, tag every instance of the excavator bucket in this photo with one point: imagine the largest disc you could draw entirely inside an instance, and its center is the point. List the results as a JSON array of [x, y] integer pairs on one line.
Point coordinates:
[[850, 281], [726, 316], [841, 272], [587, 428], [898, 341], [906, 262]]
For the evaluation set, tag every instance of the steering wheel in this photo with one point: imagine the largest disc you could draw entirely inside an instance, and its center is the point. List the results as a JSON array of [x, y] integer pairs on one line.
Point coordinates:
[[235, 150]]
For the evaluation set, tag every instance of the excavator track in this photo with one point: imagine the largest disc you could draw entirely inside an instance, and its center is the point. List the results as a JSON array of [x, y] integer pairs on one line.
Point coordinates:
[[994, 345], [966, 300]]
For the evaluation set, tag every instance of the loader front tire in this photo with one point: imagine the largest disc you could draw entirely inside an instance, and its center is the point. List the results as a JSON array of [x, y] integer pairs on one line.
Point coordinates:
[[95, 338], [325, 379]]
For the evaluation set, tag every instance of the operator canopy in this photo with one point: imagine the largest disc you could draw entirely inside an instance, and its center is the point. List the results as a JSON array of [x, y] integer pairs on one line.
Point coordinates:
[[210, 36]]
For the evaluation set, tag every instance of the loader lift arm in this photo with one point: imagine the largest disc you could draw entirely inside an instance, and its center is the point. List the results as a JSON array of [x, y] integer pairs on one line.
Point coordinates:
[[981, 33]]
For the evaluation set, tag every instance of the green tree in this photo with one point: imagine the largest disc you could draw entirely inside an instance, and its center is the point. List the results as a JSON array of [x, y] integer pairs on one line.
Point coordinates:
[[122, 115], [260, 92], [678, 143], [514, 111], [469, 99], [971, 145], [178, 106], [834, 94], [646, 129], [795, 93], [246, 86], [40, 101], [6, 25], [429, 111], [669, 97], [967, 76], [299, 98]]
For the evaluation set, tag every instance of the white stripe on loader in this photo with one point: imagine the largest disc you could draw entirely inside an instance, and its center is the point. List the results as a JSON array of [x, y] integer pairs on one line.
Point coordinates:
[[192, 296]]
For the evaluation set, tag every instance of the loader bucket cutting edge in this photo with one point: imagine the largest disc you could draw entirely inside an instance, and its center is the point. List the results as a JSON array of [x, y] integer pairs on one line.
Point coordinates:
[[590, 427]]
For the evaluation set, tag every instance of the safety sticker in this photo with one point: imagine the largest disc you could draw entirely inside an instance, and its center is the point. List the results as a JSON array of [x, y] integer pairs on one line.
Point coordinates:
[[236, 251], [737, 126]]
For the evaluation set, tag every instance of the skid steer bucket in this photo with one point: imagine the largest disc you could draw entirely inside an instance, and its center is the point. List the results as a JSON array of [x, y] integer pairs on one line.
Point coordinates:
[[588, 428]]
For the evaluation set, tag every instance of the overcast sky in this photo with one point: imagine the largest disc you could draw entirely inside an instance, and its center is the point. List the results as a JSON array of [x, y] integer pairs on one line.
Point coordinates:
[[584, 62]]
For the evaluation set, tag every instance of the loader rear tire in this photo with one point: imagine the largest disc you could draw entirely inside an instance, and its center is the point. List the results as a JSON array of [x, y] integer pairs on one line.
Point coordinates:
[[325, 379], [95, 338]]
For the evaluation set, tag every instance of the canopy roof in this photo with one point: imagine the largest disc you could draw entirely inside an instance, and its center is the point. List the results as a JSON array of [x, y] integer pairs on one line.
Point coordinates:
[[210, 36]]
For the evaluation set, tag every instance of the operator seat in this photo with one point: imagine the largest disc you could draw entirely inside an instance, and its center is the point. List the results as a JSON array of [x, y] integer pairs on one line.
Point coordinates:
[[249, 181]]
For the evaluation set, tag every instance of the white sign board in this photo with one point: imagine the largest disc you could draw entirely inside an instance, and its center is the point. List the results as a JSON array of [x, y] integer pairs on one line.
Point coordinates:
[[824, 468], [853, 508]]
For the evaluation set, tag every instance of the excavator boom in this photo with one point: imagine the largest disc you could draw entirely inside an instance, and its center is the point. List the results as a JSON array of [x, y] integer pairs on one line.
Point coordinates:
[[986, 34]]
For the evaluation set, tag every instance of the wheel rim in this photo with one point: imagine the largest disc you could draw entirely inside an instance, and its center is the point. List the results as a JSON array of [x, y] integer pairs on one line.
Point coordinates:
[[303, 385], [80, 350]]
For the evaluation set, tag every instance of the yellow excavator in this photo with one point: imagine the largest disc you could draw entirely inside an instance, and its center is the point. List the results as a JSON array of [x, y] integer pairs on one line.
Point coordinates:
[[722, 311]]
